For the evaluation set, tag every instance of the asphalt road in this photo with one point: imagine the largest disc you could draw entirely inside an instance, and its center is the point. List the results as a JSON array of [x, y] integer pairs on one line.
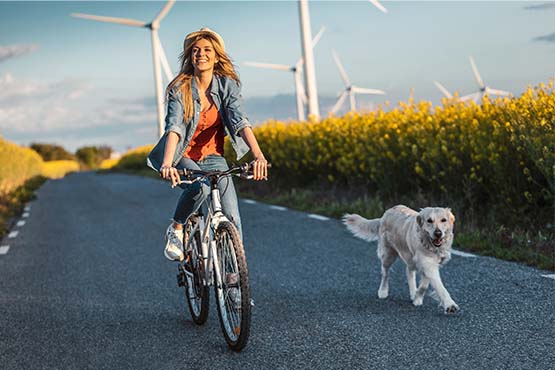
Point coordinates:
[[85, 285]]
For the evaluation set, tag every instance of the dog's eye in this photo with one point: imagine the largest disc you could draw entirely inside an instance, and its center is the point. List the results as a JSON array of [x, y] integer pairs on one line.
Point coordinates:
[[443, 220], [430, 221]]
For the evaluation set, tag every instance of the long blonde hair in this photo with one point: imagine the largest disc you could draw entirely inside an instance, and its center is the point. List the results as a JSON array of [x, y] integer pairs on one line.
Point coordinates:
[[183, 80]]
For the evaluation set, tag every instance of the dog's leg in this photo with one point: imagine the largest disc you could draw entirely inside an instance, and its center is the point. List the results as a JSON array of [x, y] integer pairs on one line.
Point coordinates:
[[445, 298], [411, 279], [387, 256], [422, 288]]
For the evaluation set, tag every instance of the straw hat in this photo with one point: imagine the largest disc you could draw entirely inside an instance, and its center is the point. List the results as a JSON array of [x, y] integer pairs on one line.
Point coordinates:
[[205, 30]]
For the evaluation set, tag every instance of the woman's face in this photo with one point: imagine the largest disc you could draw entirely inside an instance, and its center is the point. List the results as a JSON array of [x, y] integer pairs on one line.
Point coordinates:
[[203, 56]]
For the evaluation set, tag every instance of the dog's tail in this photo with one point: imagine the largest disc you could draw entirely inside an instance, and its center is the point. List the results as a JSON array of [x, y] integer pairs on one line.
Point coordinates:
[[362, 227]]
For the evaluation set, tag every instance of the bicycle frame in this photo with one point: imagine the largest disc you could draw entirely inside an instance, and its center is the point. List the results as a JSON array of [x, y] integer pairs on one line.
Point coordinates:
[[207, 225]]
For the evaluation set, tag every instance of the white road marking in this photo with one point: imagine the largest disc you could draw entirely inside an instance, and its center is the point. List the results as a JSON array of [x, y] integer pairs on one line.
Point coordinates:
[[318, 217], [249, 201], [462, 254], [27, 208], [25, 215], [4, 249], [20, 223], [550, 276], [278, 208], [13, 234]]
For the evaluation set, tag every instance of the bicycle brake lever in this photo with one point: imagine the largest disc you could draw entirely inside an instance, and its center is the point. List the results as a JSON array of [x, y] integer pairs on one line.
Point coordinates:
[[246, 176]]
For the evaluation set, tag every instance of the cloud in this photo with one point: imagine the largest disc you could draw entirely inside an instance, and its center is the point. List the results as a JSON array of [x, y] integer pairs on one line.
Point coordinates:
[[544, 6], [35, 107], [11, 51], [546, 38], [14, 92]]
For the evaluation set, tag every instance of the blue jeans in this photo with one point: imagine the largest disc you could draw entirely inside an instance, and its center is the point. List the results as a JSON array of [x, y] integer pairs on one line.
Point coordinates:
[[194, 194]]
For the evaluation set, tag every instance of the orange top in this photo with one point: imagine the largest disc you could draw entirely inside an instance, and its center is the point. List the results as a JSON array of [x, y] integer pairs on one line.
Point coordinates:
[[209, 136]]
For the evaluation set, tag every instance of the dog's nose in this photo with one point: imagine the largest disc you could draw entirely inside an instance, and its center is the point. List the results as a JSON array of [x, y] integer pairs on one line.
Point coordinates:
[[438, 233]]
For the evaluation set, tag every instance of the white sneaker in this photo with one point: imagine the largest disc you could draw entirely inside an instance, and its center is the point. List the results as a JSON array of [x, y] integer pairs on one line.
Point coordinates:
[[174, 244]]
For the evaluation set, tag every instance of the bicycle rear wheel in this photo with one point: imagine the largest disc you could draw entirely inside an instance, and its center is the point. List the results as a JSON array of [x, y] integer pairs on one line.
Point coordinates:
[[233, 296], [196, 292]]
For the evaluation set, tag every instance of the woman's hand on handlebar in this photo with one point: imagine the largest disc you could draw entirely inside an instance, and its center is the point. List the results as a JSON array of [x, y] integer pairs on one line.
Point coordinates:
[[259, 168], [167, 172]]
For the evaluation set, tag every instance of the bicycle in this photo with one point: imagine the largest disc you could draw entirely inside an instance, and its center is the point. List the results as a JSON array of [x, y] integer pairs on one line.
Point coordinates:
[[214, 256]]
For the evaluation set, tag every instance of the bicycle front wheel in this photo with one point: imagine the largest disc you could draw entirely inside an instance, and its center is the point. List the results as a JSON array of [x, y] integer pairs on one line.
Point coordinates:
[[196, 290], [233, 296]]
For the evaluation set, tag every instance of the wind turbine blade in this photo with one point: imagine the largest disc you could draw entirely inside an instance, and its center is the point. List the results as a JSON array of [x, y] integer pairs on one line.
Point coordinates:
[[339, 101], [164, 11], [377, 4], [341, 70], [318, 37], [302, 92], [299, 91], [497, 92], [124, 21], [164, 60], [315, 40], [268, 65], [476, 74], [362, 90], [443, 90], [471, 97]]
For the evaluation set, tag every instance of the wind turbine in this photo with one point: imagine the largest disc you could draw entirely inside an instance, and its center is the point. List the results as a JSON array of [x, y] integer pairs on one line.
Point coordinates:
[[308, 56], [297, 73], [445, 92], [478, 96], [350, 89], [377, 4], [158, 54]]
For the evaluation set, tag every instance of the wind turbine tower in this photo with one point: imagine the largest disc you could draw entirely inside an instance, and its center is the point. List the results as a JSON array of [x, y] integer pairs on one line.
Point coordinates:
[[308, 56], [297, 74]]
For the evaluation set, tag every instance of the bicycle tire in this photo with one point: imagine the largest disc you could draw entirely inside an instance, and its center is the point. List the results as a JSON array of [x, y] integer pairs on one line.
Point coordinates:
[[196, 293], [235, 319]]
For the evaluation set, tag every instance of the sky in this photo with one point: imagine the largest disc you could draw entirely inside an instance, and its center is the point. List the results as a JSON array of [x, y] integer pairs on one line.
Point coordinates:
[[77, 82]]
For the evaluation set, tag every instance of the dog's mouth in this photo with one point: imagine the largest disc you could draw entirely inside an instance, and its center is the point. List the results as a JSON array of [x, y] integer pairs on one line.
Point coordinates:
[[437, 242]]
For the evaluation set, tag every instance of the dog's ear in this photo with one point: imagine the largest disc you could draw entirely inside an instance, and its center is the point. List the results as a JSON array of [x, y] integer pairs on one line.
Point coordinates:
[[451, 216], [419, 220]]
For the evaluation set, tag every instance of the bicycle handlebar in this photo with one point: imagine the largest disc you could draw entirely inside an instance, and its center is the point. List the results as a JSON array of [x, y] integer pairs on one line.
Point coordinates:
[[244, 171]]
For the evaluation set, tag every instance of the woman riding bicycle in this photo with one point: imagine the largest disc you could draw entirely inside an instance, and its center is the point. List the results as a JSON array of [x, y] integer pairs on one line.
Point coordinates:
[[204, 104]]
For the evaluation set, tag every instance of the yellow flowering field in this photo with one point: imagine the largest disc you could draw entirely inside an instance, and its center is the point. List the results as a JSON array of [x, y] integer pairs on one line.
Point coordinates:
[[499, 153], [17, 164], [108, 163], [134, 159], [58, 169]]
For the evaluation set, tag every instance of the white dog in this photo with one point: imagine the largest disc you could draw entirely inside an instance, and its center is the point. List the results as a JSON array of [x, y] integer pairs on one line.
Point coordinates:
[[422, 240]]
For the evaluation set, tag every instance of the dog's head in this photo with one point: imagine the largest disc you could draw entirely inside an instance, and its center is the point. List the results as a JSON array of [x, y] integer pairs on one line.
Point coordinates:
[[436, 224]]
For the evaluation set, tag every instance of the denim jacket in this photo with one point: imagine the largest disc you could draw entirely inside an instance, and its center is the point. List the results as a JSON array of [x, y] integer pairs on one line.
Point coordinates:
[[226, 94]]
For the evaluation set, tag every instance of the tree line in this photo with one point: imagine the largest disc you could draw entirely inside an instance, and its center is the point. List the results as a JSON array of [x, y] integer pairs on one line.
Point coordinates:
[[89, 157]]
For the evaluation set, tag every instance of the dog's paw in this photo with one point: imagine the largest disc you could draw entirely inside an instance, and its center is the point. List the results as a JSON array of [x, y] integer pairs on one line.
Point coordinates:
[[417, 301], [452, 309], [382, 294]]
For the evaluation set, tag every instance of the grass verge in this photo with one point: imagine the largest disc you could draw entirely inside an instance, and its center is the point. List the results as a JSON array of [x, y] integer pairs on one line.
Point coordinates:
[[535, 249], [12, 203]]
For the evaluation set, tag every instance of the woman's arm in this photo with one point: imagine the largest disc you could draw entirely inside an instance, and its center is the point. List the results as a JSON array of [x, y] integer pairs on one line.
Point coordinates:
[[260, 165], [167, 171]]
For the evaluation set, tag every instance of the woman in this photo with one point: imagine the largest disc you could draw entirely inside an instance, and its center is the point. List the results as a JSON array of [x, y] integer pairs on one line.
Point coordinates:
[[203, 106]]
